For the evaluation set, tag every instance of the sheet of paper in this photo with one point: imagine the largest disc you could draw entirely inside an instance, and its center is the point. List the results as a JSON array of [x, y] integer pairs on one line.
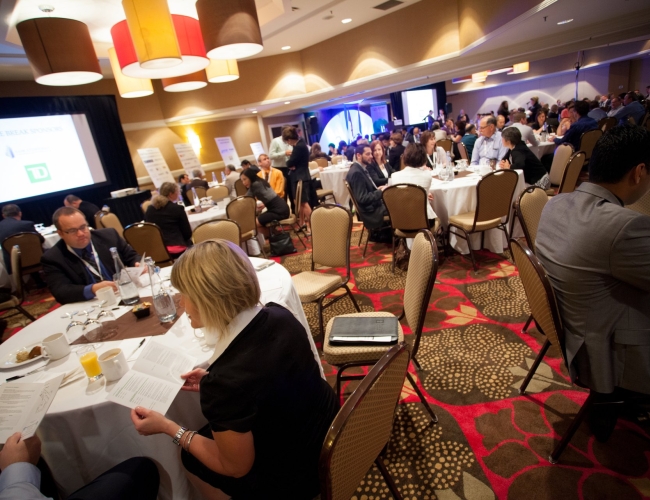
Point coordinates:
[[188, 158], [156, 166]]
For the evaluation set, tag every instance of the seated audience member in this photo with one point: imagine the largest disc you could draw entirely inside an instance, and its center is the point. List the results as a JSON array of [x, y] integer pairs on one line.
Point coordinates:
[[553, 113], [379, 169], [489, 145], [260, 189], [171, 218], [81, 263], [538, 126], [183, 183], [462, 116], [298, 165], [365, 191], [520, 157], [440, 134], [582, 123], [267, 407], [231, 177], [349, 153], [245, 165], [396, 151], [134, 479], [316, 152], [85, 207], [595, 111], [617, 106], [501, 122], [415, 172], [11, 224], [332, 149], [469, 139], [460, 131], [197, 180], [527, 134], [343, 147], [271, 175], [566, 120], [632, 108], [434, 154], [598, 261]]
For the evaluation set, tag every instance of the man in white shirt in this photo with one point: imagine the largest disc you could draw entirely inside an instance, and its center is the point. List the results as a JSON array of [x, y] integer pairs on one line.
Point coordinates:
[[279, 152], [231, 177], [527, 134], [415, 157], [617, 106], [489, 145]]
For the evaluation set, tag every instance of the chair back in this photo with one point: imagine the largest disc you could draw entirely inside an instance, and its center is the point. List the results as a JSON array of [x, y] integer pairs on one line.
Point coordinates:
[[17, 273], [588, 140], [218, 193], [145, 205], [354, 201], [606, 123], [109, 219], [572, 172], [560, 159], [336, 159], [401, 162], [321, 162], [298, 199], [201, 192], [31, 249], [494, 194], [420, 278], [529, 208], [331, 230], [642, 205], [146, 237], [240, 189], [98, 220], [463, 151], [218, 230], [362, 427], [242, 211], [407, 207], [445, 144], [539, 293]]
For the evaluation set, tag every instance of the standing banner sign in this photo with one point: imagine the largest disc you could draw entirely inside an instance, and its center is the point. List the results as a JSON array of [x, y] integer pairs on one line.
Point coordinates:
[[156, 166], [188, 158], [228, 151], [258, 150]]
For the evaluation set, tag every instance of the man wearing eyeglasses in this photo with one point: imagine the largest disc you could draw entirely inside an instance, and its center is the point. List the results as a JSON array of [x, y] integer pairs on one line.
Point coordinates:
[[489, 144], [81, 263]]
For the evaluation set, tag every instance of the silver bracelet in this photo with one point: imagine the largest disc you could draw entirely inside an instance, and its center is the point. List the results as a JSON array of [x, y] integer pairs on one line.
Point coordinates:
[[179, 435], [189, 441]]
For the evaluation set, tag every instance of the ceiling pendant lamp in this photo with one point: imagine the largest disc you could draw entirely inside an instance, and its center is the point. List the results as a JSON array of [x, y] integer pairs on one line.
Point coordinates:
[[185, 83], [221, 71], [190, 41], [152, 31], [520, 68], [479, 77], [230, 28], [128, 87], [59, 51]]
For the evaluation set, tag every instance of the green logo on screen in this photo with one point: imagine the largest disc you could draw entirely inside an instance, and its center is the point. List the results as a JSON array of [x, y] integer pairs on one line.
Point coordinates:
[[38, 173]]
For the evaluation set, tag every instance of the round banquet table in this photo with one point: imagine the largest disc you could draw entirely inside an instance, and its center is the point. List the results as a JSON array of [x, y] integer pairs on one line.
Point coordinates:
[[334, 178], [84, 435], [459, 196], [544, 148], [212, 213]]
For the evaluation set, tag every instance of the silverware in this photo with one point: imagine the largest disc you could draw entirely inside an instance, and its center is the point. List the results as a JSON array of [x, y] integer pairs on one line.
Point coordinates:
[[28, 373]]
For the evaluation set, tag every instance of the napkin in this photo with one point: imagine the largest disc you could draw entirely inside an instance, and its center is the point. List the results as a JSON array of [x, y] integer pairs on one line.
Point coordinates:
[[72, 376]]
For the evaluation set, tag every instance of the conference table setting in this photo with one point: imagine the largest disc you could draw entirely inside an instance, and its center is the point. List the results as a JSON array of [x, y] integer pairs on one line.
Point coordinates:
[[83, 433], [543, 148], [208, 213], [333, 178]]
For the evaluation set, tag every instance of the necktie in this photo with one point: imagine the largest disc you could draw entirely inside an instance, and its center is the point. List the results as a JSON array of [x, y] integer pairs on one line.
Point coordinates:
[[90, 259], [266, 176]]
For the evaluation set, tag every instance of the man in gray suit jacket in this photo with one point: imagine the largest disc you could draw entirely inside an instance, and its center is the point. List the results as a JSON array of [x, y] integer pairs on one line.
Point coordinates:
[[597, 255]]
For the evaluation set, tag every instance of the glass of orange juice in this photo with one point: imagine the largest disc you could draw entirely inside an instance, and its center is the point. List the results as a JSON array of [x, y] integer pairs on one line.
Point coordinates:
[[88, 359]]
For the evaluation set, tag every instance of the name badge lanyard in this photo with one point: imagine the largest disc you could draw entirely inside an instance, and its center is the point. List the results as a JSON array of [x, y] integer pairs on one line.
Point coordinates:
[[88, 266]]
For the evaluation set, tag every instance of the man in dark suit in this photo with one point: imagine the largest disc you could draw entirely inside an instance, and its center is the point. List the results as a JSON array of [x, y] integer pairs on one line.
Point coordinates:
[[597, 255], [366, 192], [11, 224], [85, 207], [197, 180], [184, 182], [81, 262]]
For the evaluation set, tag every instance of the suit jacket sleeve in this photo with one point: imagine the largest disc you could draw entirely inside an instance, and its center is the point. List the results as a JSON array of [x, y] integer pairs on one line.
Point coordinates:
[[630, 255], [183, 224], [58, 281], [361, 193]]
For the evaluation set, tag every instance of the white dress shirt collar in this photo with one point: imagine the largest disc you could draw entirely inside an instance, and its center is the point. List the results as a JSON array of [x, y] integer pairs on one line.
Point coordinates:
[[235, 327]]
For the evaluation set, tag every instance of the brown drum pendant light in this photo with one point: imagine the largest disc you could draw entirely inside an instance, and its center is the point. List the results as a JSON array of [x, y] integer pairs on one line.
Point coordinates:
[[185, 83]]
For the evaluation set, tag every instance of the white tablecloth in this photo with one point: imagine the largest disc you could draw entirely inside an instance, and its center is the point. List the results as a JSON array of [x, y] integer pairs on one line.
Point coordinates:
[[334, 178], [459, 196], [544, 148], [210, 214], [84, 435]]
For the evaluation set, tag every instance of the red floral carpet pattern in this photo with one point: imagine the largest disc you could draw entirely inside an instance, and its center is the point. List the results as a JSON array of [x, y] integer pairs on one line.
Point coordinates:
[[490, 442]]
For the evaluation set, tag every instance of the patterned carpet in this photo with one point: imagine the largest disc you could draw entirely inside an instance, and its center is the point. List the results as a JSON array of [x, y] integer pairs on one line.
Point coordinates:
[[490, 442]]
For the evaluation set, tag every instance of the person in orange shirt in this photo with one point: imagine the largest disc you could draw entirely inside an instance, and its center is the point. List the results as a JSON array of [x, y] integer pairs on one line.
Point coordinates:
[[272, 175]]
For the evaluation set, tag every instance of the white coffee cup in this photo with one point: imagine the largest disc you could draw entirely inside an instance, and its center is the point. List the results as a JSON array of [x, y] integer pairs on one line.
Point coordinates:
[[107, 295], [114, 365], [55, 346]]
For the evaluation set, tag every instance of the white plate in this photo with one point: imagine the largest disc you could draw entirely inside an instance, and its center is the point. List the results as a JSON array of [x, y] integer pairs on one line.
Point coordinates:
[[8, 362]]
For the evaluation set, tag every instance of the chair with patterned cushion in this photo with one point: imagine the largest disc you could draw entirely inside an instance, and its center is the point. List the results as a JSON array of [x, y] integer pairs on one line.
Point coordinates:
[[642, 205], [360, 217], [17, 297], [31, 251], [331, 227], [145, 204], [146, 237], [572, 173], [109, 219], [243, 211], [240, 189], [218, 230], [606, 123], [98, 220], [217, 193], [291, 222], [560, 160], [336, 159], [321, 162], [420, 278], [362, 428], [494, 194], [462, 150], [446, 144], [588, 141]]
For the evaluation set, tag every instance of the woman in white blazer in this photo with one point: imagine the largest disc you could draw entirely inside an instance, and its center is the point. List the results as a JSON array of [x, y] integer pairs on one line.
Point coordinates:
[[415, 172]]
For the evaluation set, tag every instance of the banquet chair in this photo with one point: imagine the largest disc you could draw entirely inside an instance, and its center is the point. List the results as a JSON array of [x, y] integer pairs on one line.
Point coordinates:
[[606, 123], [240, 189], [401, 162], [642, 205], [321, 162], [146, 237], [217, 193], [407, 210], [31, 251], [243, 211], [145, 204], [587, 142], [362, 428], [98, 221], [494, 194], [201, 192], [420, 278], [331, 228], [463, 151], [17, 297], [291, 223], [336, 159], [225, 229], [360, 217], [446, 144], [560, 160], [571, 173], [109, 219]]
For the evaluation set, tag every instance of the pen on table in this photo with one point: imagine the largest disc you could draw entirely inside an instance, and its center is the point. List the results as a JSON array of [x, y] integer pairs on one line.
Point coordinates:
[[29, 373], [136, 349]]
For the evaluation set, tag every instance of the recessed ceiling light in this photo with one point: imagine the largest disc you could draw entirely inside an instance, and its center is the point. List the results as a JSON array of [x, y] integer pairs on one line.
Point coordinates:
[[287, 102], [566, 21], [346, 21], [286, 47], [254, 111]]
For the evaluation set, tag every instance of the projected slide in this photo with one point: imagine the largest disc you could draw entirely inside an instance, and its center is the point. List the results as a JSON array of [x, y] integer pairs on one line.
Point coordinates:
[[46, 154], [417, 104], [341, 129]]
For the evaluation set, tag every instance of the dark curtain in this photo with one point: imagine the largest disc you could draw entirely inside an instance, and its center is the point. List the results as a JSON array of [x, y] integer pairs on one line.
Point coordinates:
[[396, 105], [104, 122]]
